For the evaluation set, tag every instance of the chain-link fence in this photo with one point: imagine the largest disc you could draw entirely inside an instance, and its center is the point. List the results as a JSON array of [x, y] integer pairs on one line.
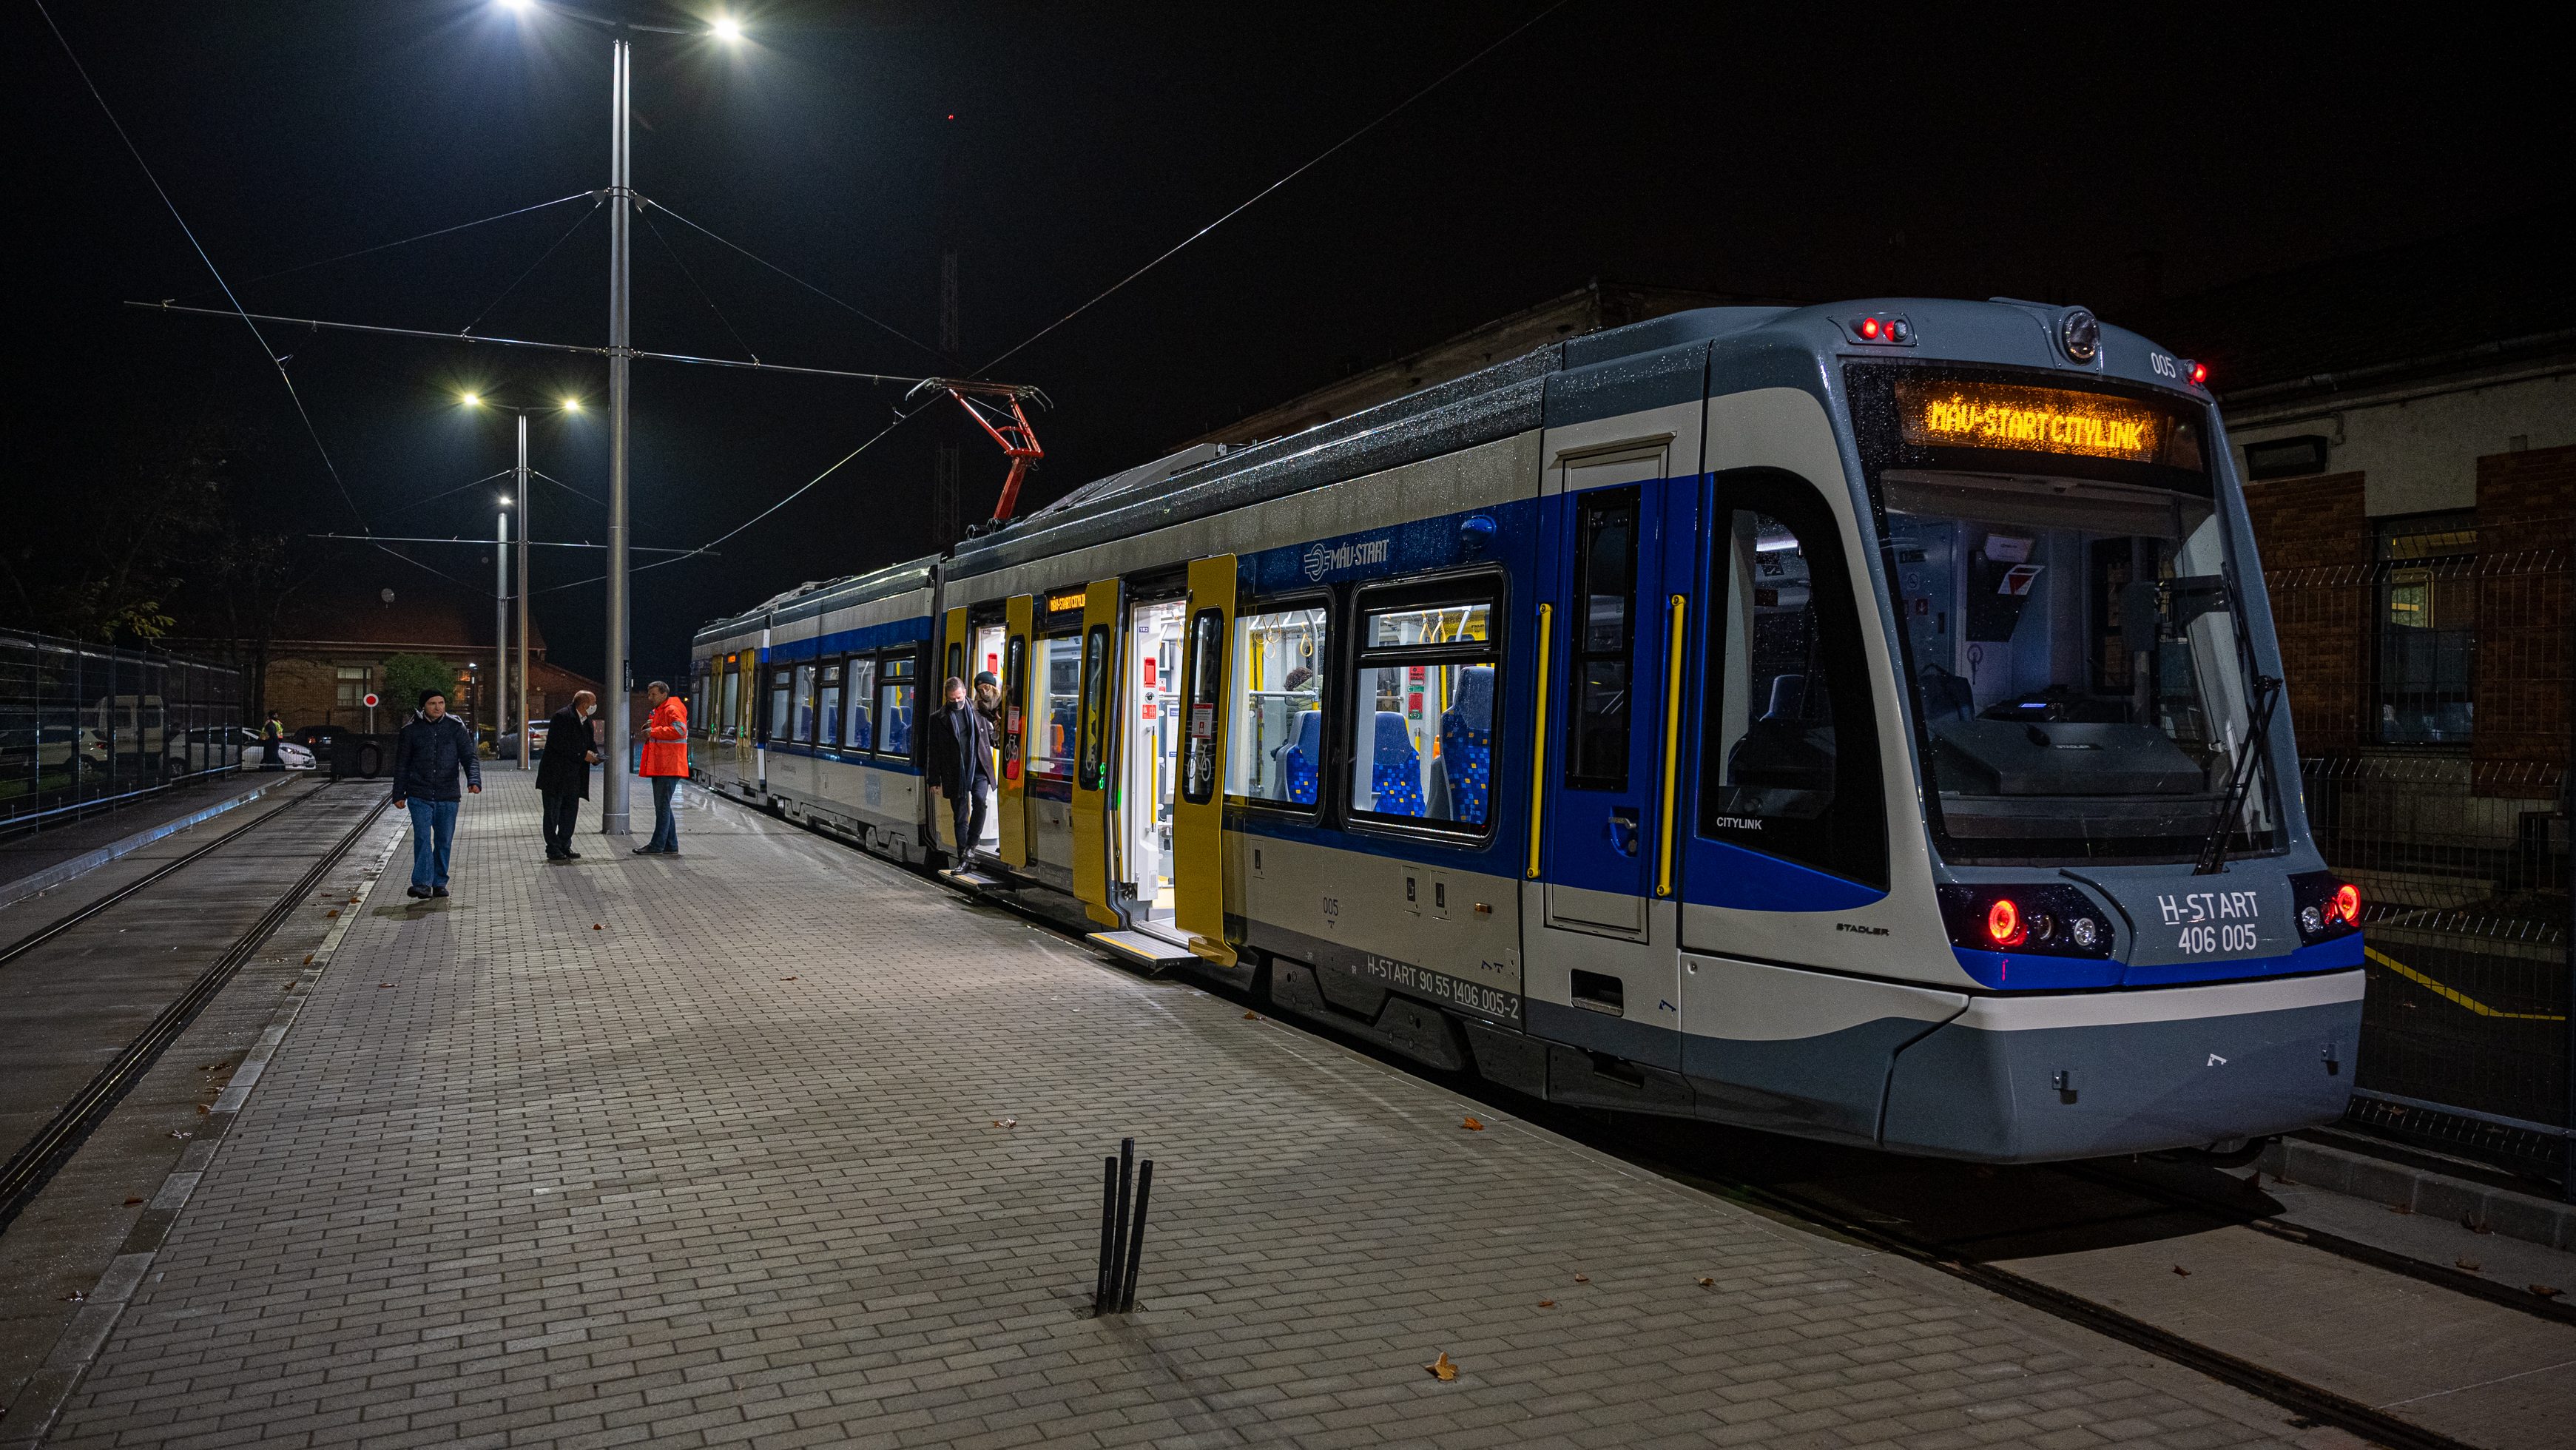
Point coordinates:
[[2435, 718], [85, 726]]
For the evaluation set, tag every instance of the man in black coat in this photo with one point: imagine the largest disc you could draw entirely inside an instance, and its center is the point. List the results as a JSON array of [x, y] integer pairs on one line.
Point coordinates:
[[960, 766], [563, 773]]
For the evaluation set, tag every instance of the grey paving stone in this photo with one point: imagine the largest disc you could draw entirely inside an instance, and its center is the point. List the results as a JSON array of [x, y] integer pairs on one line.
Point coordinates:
[[726, 1170]]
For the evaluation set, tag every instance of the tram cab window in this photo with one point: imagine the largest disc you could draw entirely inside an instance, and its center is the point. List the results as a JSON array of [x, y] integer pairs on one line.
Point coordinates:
[[894, 704], [827, 706], [859, 731], [1790, 765], [1422, 727], [779, 682], [1057, 693], [803, 718], [1275, 750]]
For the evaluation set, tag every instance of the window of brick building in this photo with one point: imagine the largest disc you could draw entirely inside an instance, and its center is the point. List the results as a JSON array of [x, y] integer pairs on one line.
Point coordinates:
[[353, 680], [2427, 627]]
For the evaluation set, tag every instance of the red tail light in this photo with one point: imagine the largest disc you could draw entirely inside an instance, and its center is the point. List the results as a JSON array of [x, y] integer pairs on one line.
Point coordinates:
[[1868, 329], [2347, 904], [2004, 925]]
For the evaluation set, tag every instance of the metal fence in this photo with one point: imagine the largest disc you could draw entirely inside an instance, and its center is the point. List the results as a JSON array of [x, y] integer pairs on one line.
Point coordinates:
[[2442, 791], [84, 727]]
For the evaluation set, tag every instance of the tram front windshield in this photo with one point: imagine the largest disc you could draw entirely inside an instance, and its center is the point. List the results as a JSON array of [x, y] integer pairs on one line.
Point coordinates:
[[2075, 651]]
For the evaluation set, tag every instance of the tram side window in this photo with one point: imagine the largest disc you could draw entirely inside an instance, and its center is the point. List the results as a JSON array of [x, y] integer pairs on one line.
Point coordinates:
[[1604, 643], [827, 706], [1422, 727], [1057, 699], [1276, 748], [699, 725], [1790, 764], [859, 732], [732, 699], [779, 682], [894, 705], [804, 716]]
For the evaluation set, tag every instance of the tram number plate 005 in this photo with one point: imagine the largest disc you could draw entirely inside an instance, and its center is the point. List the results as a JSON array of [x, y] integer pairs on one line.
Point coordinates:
[[2213, 921]]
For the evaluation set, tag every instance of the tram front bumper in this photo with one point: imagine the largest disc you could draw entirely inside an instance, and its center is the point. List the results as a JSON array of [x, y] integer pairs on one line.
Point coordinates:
[[2044, 1077]]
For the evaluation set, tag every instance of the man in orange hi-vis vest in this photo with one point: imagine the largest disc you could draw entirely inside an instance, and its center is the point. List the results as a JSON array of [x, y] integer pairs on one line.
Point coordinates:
[[666, 764]]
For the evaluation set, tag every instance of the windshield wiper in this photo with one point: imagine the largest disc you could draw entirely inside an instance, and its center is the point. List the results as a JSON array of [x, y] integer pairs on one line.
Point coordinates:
[[2258, 748]]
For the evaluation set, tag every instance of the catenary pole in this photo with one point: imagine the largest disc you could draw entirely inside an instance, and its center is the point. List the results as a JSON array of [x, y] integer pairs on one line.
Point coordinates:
[[621, 683], [525, 529], [500, 626]]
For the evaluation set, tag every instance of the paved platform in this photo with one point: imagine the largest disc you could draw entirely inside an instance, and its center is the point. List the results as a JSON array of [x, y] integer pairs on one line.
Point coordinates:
[[774, 1144]]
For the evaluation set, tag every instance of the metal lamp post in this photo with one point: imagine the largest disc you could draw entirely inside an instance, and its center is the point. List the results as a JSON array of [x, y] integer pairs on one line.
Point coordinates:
[[501, 626]]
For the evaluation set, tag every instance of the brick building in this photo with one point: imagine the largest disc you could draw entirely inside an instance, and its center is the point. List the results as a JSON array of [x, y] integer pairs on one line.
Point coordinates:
[[334, 638]]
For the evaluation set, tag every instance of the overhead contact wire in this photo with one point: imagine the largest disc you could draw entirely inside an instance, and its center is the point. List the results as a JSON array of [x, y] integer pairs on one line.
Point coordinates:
[[643, 202], [1319, 158], [695, 283], [577, 225], [267, 351], [422, 237]]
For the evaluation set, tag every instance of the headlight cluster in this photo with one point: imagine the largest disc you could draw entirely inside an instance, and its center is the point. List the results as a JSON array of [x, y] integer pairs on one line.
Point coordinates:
[[2044, 918]]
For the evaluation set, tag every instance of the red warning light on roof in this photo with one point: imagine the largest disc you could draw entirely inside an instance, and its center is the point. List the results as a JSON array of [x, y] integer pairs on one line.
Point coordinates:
[[2199, 373], [1868, 329]]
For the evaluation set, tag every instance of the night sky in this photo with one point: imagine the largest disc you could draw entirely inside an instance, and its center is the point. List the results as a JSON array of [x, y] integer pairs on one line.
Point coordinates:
[[2082, 154]]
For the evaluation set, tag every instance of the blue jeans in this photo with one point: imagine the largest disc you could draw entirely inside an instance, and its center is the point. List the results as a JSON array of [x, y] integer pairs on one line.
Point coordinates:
[[433, 831], [666, 830]]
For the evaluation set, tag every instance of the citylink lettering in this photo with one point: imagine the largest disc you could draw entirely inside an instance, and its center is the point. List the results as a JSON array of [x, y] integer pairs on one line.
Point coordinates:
[[1323, 559]]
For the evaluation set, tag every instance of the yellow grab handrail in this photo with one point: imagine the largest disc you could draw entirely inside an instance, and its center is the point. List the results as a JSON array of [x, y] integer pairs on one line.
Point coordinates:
[[1538, 743], [1672, 744]]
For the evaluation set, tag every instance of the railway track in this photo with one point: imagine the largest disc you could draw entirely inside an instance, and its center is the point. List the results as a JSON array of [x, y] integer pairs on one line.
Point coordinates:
[[52, 1145]]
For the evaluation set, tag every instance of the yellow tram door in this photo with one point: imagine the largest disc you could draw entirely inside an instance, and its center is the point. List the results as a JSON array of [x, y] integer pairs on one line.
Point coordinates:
[[1095, 802], [935, 689], [1198, 806], [1017, 623]]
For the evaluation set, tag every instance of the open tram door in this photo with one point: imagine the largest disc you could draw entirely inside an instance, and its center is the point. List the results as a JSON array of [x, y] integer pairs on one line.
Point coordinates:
[[1094, 722], [1600, 890], [952, 666], [1011, 800]]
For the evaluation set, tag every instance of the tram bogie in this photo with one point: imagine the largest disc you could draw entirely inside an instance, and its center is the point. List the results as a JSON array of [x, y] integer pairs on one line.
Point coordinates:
[[1742, 715]]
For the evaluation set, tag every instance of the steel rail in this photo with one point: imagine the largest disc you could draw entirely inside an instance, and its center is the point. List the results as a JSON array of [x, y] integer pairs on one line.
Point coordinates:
[[35, 1164], [57, 927]]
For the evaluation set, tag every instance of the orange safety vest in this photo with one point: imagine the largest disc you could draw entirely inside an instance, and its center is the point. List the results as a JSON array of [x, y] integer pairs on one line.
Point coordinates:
[[666, 739]]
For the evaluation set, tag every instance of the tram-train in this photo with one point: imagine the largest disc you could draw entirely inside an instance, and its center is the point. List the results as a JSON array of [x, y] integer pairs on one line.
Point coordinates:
[[1853, 721]]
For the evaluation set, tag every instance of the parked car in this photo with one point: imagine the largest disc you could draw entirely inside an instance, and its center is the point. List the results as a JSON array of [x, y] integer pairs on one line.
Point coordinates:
[[204, 748], [537, 735], [319, 738]]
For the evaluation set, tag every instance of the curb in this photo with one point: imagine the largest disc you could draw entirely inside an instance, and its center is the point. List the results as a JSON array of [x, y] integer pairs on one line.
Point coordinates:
[[55, 875], [2524, 1216], [50, 1387]]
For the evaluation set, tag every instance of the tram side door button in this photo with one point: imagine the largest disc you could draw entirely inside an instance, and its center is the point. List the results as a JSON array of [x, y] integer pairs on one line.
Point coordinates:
[[1256, 862], [2064, 1082], [1412, 894]]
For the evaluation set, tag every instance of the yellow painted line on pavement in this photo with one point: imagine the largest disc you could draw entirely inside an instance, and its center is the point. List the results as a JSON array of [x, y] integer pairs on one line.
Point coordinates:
[[2472, 1003]]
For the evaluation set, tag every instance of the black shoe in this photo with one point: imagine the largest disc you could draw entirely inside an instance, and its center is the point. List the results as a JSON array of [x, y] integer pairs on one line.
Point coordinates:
[[557, 856], [648, 850], [438, 891], [418, 892], [572, 855]]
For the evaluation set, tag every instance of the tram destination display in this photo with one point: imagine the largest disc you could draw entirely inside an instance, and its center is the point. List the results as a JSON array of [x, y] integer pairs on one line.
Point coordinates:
[[1948, 413]]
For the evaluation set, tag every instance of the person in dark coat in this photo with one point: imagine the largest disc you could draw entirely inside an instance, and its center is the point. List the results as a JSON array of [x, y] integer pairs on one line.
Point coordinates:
[[430, 753], [563, 773], [960, 766]]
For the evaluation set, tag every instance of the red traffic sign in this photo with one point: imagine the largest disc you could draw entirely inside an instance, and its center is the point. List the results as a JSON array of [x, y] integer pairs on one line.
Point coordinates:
[[371, 700]]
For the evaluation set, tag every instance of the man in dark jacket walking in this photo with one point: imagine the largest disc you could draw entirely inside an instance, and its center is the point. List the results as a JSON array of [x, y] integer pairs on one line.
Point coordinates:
[[563, 773], [961, 767], [429, 754]]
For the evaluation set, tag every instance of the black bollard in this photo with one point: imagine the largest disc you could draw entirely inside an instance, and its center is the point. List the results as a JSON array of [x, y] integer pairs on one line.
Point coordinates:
[[1102, 1285], [1136, 1238]]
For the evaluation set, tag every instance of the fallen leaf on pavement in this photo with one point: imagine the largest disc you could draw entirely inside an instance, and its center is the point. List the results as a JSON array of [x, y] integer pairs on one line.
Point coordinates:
[[334, 911], [2545, 1291], [2400, 1208], [1547, 1303], [129, 1203], [1583, 1278], [1472, 1126], [2469, 1264], [1006, 1122], [1441, 1369], [2476, 1225], [594, 926], [1251, 1016], [1708, 1283], [201, 1107], [2179, 1269]]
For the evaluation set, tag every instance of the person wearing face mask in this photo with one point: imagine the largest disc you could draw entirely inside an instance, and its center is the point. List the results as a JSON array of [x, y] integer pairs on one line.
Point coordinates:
[[563, 772]]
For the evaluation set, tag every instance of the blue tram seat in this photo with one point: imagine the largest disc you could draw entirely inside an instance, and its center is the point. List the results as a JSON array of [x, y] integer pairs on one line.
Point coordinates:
[[1297, 761], [1467, 744], [1395, 769]]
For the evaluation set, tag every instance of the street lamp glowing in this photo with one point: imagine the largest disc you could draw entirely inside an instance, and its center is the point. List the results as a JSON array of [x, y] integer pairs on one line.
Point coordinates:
[[471, 400], [727, 29], [505, 500], [515, 7], [572, 405]]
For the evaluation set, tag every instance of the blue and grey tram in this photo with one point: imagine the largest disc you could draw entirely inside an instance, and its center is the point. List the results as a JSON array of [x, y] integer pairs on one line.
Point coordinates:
[[1859, 722]]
